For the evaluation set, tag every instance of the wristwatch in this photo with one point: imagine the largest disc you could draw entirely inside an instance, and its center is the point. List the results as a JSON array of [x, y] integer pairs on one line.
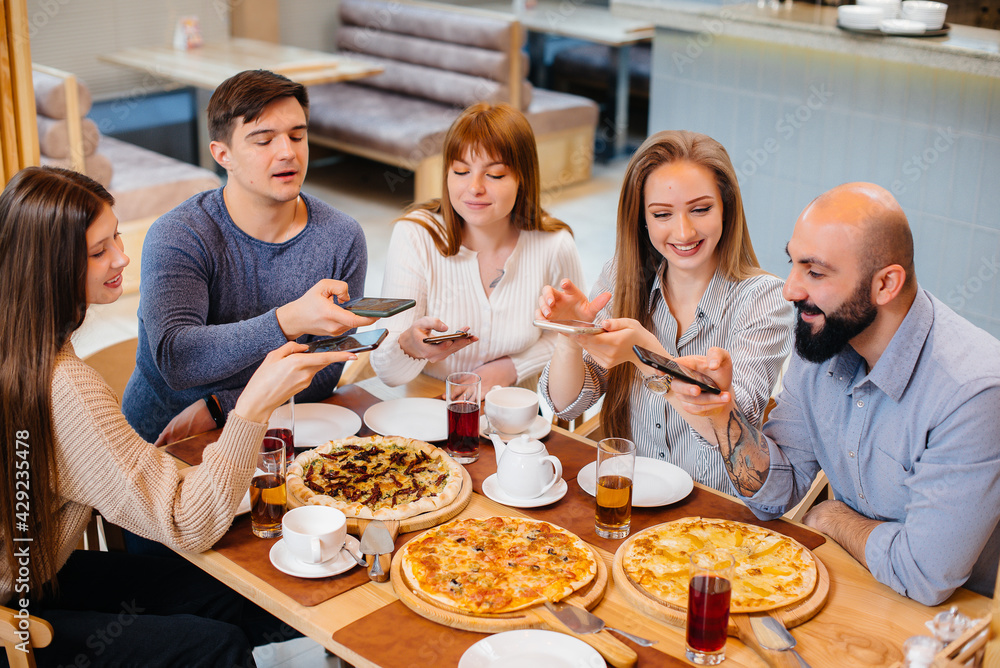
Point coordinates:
[[216, 410], [657, 384]]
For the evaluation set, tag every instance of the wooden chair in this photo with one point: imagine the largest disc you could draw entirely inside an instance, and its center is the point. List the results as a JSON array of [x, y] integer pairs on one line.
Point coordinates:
[[115, 364], [20, 653]]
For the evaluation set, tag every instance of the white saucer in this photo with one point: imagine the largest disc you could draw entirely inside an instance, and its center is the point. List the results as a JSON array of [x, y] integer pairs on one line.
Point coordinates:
[[540, 428], [531, 648], [283, 560], [491, 488]]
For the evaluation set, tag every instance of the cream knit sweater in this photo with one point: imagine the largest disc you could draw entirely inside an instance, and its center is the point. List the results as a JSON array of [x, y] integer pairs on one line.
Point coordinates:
[[102, 463], [450, 288]]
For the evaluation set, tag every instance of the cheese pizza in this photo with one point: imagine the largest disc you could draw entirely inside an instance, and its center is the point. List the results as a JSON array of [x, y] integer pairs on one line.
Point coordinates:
[[772, 570], [496, 565], [377, 477]]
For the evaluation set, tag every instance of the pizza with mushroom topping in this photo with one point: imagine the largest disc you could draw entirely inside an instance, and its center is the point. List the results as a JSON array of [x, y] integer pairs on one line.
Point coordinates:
[[497, 564]]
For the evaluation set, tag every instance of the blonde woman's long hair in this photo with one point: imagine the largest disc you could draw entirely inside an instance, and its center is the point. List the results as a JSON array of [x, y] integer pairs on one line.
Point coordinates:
[[503, 133], [637, 261]]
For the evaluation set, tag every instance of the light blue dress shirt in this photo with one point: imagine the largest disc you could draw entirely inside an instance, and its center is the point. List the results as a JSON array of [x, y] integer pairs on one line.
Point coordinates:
[[915, 443]]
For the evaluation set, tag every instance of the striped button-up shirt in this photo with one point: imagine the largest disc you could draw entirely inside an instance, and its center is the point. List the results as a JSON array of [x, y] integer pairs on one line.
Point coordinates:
[[748, 318]]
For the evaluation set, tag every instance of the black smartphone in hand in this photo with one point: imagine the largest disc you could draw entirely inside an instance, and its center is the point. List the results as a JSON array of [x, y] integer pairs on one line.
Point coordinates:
[[454, 336], [349, 343], [675, 370], [379, 307]]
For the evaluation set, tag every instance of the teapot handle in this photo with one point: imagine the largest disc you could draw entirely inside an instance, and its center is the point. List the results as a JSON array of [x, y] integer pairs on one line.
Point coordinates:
[[557, 469]]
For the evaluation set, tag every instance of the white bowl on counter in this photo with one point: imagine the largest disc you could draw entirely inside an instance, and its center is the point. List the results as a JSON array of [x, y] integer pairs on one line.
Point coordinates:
[[930, 13], [890, 8], [859, 17]]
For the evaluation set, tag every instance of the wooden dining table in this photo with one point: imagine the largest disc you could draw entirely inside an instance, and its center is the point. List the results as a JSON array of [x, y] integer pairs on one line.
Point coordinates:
[[863, 622]]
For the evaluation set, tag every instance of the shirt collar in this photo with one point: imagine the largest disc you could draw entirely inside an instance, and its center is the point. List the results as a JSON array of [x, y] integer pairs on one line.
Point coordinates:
[[896, 365], [710, 306]]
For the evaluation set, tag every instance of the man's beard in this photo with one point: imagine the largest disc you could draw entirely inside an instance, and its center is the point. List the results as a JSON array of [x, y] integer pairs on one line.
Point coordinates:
[[839, 327]]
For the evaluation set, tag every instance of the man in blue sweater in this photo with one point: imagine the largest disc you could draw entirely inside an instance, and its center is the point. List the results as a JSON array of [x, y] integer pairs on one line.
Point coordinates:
[[233, 273]]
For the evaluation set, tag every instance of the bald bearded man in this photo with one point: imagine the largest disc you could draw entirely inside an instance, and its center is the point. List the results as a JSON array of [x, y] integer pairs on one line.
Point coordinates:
[[891, 393]]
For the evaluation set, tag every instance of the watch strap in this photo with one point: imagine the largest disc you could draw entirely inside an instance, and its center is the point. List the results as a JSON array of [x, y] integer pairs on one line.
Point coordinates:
[[215, 409]]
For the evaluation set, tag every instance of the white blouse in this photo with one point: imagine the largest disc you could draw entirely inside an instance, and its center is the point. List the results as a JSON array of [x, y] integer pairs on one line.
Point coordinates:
[[450, 288]]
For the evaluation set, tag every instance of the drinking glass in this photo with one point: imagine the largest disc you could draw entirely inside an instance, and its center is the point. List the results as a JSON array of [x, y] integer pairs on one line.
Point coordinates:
[[462, 394], [267, 489], [281, 425], [709, 592], [615, 471]]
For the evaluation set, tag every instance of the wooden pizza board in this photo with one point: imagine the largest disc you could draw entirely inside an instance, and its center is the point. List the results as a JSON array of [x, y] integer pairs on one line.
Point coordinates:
[[538, 616], [739, 624]]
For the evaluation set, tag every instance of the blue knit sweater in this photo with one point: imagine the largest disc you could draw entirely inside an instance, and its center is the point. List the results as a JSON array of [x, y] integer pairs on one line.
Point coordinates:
[[209, 295]]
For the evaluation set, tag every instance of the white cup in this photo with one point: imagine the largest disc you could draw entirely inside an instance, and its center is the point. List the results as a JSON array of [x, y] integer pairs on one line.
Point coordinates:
[[511, 410], [314, 534]]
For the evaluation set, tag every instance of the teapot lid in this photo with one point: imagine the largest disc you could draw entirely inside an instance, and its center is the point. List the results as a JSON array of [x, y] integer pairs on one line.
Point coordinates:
[[523, 444]]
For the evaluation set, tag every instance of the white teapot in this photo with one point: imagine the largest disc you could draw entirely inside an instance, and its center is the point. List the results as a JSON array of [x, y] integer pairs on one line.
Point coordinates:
[[523, 470]]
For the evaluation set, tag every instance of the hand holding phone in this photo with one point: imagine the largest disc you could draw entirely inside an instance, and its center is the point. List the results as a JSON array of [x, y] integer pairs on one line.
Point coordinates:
[[675, 370], [569, 326], [350, 343], [454, 336], [379, 307]]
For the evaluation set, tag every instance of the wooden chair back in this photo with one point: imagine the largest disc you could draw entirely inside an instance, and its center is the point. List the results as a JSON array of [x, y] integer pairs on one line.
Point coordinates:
[[21, 635]]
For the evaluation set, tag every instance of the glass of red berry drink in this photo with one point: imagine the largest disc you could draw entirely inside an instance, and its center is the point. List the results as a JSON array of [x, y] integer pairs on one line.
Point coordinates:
[[708, 605], [462, 393], [281, 425]]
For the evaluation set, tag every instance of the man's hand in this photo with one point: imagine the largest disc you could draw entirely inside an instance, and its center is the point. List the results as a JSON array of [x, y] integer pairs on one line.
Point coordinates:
[[569, 303], [412, 340], [315, 312], [717, 365], [195, 419], [843, 524]]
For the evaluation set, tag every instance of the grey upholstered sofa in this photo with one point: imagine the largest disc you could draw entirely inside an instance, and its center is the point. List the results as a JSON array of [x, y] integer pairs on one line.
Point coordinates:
[[439, 59]]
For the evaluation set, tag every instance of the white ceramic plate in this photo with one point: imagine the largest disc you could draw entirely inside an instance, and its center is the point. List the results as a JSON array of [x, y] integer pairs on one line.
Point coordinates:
[[656, 483], [491, 488], [531, 648], [422, 419], [283, 560], [540, 428], [315, 424]]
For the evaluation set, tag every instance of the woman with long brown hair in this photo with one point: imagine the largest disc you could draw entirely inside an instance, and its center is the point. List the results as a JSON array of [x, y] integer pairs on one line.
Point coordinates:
[[67, 449], [684, 278], [476, 258]]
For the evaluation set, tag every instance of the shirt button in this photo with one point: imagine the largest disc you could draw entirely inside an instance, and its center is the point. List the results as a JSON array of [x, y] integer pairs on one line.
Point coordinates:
[[861, 404], [852, 455], [658, 425], [842, 378], [662, 455], [861, 495]]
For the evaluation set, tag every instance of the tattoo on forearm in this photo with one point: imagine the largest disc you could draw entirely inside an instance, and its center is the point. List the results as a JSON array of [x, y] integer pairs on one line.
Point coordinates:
[[744, 453]]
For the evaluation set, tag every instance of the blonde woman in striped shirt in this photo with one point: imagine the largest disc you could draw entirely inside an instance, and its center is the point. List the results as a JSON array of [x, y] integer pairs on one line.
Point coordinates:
[[684, 278], [476, 260]]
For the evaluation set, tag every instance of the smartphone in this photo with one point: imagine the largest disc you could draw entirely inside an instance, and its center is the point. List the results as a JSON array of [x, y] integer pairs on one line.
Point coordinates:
[[570, 326], [675, 370], [377, 307], [350, 343], [454, 336]]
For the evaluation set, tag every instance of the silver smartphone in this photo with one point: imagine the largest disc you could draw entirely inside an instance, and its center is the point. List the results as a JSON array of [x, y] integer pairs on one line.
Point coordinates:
[[570, 326]]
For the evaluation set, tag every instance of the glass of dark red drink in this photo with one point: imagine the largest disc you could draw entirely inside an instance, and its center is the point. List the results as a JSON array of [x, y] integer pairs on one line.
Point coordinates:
[[708, 605], [282, 426], [463, 393]]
